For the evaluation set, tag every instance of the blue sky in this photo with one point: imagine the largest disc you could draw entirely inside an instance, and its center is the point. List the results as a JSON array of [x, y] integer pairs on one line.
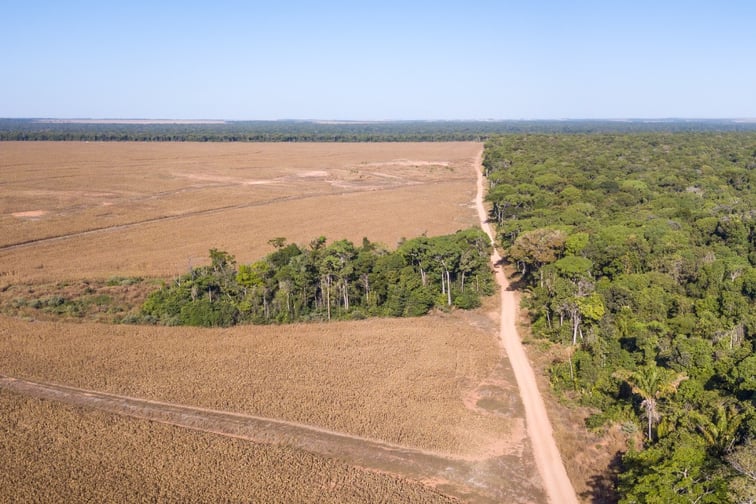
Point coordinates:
[[378, 60]]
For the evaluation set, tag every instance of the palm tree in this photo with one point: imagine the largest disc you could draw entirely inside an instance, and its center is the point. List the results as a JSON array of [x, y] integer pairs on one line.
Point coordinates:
[[652, 383], [720, 430]]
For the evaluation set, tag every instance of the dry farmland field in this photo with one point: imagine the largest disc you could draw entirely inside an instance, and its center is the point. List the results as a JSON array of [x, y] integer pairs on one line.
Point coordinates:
[[74, 209], [56, 453], [433, 392]]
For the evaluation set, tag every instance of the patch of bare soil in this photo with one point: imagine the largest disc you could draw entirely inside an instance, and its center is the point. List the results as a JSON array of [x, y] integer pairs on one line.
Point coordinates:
[[29, 214]]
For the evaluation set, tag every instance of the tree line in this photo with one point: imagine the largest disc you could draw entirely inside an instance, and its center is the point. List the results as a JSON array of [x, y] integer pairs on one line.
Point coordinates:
[[342, 131], [323, 281], [638, 255]]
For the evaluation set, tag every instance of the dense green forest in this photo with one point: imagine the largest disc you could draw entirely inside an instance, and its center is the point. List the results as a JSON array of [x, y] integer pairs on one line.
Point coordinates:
[[330, 281], [638, 256], [335, 131]]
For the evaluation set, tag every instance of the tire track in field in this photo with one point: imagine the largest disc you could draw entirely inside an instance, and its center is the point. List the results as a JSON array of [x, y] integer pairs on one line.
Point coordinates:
[[556, 482], [206, 211], [475, 481]]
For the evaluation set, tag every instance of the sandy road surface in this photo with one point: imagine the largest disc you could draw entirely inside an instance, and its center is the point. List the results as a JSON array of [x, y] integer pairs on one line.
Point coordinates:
[[555, 480]]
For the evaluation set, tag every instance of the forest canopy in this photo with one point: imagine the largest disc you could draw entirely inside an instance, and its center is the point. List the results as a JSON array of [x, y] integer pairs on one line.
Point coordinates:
[[324, 281], [638, 253]]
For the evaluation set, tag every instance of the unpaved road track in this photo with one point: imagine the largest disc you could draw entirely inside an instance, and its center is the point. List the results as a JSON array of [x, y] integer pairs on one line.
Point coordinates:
[[556, 483]]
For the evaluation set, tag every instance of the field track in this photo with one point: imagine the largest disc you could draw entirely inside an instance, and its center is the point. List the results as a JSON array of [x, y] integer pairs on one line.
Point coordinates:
[[478, 480]]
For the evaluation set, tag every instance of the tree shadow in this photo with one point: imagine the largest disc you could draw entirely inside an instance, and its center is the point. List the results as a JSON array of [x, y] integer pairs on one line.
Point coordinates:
[[515, 279], [517, 283], [603, 487]]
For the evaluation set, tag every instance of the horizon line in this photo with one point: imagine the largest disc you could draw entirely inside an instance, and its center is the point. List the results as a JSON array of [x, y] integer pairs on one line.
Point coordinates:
[[333, 121]]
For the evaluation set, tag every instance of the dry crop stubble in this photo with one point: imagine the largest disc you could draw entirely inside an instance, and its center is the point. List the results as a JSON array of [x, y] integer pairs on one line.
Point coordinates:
[[401, 381], [58, 453], [152, 209], [168, 247]]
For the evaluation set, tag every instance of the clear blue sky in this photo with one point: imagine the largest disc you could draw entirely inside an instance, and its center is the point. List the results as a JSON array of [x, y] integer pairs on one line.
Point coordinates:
[[375, 60]]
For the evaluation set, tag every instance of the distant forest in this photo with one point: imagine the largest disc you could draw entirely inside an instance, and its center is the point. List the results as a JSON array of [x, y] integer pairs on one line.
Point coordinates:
[[338, 131]]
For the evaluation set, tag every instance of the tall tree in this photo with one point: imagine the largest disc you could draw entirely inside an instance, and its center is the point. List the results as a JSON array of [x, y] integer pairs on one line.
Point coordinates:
[[652, 384]]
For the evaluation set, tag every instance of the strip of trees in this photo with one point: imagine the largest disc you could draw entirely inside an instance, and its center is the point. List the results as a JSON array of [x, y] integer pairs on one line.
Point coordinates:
[[638, 253], [342, 131], [324, 281]]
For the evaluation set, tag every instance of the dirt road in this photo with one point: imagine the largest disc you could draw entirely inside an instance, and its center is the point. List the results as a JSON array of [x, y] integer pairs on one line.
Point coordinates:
[[556, 483]]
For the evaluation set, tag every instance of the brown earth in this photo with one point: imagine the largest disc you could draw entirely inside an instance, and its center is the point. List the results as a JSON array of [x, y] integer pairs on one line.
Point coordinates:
[[83, 210], [53, 452]]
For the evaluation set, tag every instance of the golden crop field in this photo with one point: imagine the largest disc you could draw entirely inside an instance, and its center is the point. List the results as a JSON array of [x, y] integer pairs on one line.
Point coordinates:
[[435, 383], [57, 453], [400, 380], [72, 210]]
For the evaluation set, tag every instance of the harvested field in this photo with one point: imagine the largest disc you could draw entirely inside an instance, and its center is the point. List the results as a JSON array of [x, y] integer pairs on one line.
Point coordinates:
[[435, 385], [85, 210], [57, 453], [402, 381]]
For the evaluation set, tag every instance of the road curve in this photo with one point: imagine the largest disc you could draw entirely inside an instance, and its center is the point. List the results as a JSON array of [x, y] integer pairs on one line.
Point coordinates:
[[557, 484]]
